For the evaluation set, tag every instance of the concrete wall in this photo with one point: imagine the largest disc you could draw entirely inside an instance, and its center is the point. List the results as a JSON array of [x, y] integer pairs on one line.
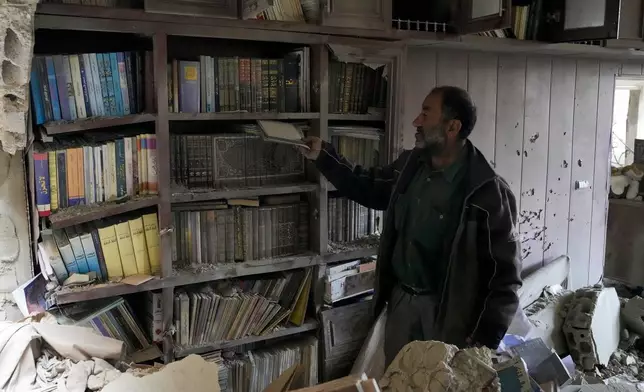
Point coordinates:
[[544, 123]]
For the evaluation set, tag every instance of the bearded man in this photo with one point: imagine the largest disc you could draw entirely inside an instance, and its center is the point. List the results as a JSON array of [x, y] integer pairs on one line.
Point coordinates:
[[448, 266]]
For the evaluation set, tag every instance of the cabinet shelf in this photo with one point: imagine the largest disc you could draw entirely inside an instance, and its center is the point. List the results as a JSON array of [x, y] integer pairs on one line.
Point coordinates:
[[86, 213], [183, 351], [241, 116], [93, 123], [356, 117]]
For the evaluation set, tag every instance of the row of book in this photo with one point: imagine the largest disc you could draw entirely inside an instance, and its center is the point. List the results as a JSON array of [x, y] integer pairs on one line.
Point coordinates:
[[526, 23], [360, 145], [112, 318], [287, 10], [67, 174], [349, 279], [356, 88], [241, 230], [230, 310], [349, 221], [229, 84], [254, 371], [69, 87], [111, 251], [232, 160]]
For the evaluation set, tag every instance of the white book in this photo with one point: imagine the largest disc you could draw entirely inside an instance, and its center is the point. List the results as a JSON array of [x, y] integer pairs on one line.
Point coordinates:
[[281, 132], [96, 82], [87, 67], [129, 178], [77, 82], [51, 256]]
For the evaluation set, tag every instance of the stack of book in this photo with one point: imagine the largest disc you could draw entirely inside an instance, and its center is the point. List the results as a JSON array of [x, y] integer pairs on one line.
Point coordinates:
[[83, 171], [349, 279], [231, 84], [232, 310], [241, 230], [356, 88], [253, 371], [69, 87], [349, 221], [232, 160], [526, 22], [111, 251], [359, 144], [112, 318]]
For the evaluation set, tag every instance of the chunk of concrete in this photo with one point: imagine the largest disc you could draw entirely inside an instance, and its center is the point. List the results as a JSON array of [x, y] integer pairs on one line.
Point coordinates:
[[633, 314], [546, 316], [592, 326], [556, 272]]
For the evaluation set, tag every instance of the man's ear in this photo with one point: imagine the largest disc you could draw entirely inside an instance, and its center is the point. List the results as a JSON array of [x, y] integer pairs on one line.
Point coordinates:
[[454, 126]]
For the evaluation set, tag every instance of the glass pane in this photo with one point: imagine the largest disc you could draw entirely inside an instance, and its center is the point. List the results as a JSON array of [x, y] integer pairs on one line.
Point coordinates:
[[584, 13], [483, 8]]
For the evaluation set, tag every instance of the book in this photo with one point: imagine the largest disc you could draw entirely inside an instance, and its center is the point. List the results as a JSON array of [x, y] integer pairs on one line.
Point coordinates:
[[30, 296], [50, 255], [281, 132], [348, 221], [356, 88]]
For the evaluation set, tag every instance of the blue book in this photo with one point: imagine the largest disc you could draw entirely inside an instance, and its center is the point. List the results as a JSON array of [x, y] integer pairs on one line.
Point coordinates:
[[66, 252], [53, 88], [88, 103], [123, 83], [36, 96], [189, 87], [41, 173], [118, 98], [90, 254], [109, 83], [62, 87], [77, 248]]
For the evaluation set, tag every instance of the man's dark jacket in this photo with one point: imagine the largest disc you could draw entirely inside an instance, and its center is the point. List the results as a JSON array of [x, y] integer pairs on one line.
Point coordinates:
[[479, 297]]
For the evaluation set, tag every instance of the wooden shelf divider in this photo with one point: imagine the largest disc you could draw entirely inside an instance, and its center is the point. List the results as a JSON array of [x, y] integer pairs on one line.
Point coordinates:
[[86, 213], [367, 251], [189, 196], [91, 123], [308, 325], [241, 116], [356, 117]]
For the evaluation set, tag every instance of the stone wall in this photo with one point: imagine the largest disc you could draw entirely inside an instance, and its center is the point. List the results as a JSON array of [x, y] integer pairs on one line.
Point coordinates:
[[16, 48]]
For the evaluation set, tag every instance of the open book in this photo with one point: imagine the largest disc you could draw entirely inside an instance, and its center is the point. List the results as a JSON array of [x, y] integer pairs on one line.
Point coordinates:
[[281, 132]]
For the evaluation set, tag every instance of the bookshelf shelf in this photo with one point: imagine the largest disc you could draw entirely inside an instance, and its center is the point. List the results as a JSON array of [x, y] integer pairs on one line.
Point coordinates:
[[81, 214], [356, 117], [241, 116], [87, 124], [183, 351], [207, 273], [190, 196], [351, 254]]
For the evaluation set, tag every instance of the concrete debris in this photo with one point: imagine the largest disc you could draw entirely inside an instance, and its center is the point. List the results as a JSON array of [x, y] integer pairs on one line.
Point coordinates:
[[633, 313], [547, 317], [438, 367], [630, 360], [92, 374], [592, 326]]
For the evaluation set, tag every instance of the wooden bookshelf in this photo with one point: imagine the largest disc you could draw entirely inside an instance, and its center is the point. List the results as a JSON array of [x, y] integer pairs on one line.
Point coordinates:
[[356, 117], [86, 213], [164, 35], [360, 253], [307, 326], [190, 196], [93, 123], [241, 116]]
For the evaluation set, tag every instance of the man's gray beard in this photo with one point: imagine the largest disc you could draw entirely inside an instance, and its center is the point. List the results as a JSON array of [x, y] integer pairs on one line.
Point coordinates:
[[434, 144]]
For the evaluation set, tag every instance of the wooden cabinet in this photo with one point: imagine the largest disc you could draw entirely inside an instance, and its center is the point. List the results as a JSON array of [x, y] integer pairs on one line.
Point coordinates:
[[214, 8], [362, 14], [586, 20], [474, 16]]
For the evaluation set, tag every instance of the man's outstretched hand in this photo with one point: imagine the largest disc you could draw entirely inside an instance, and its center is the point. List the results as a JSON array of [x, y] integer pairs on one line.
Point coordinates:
[[315, 146]]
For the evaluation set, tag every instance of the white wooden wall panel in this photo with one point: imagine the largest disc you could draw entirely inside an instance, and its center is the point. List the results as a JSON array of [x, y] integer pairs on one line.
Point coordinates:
[[482, 85], [571, 101], [583, 168], [562, 101], [602, 171], [535, 167], [509, 121]]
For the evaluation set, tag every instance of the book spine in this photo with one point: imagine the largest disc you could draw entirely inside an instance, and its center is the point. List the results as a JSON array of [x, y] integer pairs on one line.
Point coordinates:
[[90, 254], [140, 246], [129, 79], [151, 150], [74, 66], [44, 88], [109, 84], [151, 227], [121, 177], [215, 73], [53, 88], [125, 97], [61, 86], [126, 248], [106, 82], [189, 82], [41, 172], [36, 95], [221, 85], [99, 106], [99, 253], [79, 254], [53, 180], [83, 62], [281, 86], [116, 82]]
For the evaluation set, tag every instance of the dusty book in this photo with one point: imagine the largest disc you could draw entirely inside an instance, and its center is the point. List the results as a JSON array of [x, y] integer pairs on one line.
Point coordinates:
[[281, 132]]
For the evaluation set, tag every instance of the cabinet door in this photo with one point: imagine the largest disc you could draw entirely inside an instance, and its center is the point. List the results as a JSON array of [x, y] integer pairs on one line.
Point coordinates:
[[214, 8], [362, 14], [475, 16], [581, 20]]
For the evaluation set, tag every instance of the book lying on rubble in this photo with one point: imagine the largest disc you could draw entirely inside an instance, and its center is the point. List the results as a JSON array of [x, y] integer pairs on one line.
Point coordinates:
[[112, 318]]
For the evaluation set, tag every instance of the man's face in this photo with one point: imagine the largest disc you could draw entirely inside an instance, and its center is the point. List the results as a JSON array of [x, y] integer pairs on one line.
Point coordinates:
[[432, 132]]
